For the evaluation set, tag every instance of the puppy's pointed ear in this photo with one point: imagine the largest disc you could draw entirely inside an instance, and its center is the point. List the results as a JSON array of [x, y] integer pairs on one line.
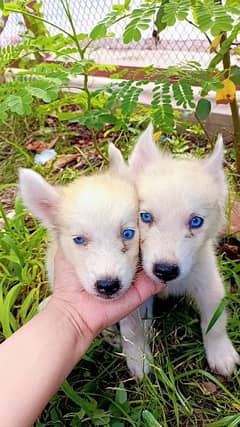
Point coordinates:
[[117, 162], [214, 162], [144, 152], [38, 196]]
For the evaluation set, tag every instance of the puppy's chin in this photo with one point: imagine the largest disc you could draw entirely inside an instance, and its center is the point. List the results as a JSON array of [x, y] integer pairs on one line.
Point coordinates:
[[115, 296], [161, 282], [184, 272]]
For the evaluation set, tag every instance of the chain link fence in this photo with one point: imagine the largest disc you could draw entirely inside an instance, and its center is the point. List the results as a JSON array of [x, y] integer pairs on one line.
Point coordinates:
[[177, 44]]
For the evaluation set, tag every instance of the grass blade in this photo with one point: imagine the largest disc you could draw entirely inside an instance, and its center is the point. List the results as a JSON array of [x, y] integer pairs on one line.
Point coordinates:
[[220, 309]]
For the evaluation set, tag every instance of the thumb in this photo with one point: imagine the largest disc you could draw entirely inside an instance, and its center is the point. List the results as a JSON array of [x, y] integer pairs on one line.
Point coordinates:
[[146, 287], [142, 289]]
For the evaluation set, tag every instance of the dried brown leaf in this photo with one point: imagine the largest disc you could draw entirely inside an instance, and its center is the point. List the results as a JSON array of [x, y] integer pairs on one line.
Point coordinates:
[[65, 160], [37, 145], [209, 387]]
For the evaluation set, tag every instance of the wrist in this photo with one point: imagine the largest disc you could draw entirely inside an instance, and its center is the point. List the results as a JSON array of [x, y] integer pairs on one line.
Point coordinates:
[[72, 324]]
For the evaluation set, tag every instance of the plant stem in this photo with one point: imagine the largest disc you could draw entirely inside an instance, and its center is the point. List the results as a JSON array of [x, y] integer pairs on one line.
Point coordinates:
[[80, 51], [95, 142], [85, 86], [236, 127], [196, 26], [74, 33], [204, 129], [234, 110], [39, 18]]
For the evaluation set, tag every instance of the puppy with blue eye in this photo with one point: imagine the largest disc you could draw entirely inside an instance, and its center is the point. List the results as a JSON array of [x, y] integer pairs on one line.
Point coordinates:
[[95, 221], [182, 211]]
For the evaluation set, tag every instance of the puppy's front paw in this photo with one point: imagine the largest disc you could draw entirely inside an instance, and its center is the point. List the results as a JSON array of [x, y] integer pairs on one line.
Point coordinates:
[[138, 362], [222, 356]]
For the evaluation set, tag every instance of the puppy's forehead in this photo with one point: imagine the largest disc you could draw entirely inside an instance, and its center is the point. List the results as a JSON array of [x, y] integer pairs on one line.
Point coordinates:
[[99, 198], [179, 184]]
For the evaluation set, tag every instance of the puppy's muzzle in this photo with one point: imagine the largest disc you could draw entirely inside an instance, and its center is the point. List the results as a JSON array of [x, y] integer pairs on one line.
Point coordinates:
[[107, 287], [166, 272]]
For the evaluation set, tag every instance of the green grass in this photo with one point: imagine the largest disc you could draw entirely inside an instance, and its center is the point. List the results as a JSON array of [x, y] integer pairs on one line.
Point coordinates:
[[22, 279], [99, 391]]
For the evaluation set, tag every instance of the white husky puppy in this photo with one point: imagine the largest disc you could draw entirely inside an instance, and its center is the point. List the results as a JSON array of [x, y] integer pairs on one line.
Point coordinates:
[[95, 221], [182, 204]]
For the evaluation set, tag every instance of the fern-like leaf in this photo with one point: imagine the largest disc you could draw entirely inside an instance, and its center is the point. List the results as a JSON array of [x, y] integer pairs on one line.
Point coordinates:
[[140, 19], [162, 106]]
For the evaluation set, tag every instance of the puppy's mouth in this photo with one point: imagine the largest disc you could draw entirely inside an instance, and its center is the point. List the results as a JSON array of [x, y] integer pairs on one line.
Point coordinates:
[[159, 281], [108, 297]]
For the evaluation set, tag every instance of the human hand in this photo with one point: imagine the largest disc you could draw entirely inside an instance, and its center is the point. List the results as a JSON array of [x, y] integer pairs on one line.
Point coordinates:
[[88, 313]]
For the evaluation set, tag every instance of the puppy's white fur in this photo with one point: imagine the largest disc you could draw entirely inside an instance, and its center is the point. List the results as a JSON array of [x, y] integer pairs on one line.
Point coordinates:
[[97, 207], [173, 190]]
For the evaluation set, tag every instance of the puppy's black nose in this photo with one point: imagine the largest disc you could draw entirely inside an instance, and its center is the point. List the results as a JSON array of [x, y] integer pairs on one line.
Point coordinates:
[[107, 287], [166, 272]]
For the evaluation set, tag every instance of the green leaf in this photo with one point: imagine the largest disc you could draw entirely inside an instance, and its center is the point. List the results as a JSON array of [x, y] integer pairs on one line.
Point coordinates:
[[170, 11], [71, 393], [3, 111], [140, 19], [27, 304], [127, 36], [68, 115], [127, 4], [203, 109], [121, 394], [219, 27], [98, 32], [43, 89], [226, 45], [159, 17], [107, 118], [236, 50], [231, 3], [202, 16], [6, 315], [217, 314], [1, 4], [178, 95], [162, 106], [150, 420], [82, 36], [119, 75], [39, 93], [183, 9], [88, 406], [187, 92], [136, 35], [223, 22], [235, 74], [95, 119], [100, 418], [20, 104], [230, 420]]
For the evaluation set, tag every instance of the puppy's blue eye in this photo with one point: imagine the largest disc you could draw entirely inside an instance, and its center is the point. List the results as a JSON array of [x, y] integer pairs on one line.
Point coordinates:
[[79, 240], [196, 222], [128, 234], [146, 217]]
